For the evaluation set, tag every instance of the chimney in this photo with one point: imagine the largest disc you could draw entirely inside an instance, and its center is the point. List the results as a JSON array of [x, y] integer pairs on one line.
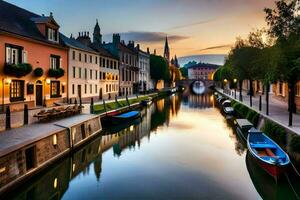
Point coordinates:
[[116, 39], [51, 14]]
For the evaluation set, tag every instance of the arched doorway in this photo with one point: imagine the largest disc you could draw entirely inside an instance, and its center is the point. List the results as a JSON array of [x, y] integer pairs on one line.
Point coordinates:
[[39, 93]]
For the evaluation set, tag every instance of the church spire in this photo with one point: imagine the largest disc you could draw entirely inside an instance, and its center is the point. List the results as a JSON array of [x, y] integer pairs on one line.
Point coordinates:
[[97, 37], [167, 50]]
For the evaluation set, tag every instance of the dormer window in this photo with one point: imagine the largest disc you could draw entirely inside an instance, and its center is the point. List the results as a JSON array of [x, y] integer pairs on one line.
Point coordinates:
[[52, 35]]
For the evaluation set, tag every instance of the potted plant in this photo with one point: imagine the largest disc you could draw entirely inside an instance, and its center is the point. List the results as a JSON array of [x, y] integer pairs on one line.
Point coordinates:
[[17, 70], [57, 73], [38, 72]]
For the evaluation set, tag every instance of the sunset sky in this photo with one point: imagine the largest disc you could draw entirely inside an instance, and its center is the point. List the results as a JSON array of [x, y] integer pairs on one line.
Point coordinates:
[[193, 26]]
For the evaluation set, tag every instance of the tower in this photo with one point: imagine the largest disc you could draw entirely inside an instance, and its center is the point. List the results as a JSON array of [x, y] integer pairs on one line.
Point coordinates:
[[176, 62], [167, 50], [97, 37]]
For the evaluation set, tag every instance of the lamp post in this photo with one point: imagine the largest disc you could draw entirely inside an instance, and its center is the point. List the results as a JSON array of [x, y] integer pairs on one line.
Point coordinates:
[[225, 83], [235, 81]]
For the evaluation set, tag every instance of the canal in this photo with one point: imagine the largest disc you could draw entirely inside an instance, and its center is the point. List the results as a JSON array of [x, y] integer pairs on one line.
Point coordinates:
[[183, 148]]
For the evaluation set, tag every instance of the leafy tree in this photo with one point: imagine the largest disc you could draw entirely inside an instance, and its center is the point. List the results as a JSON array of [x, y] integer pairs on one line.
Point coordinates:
[[190, 63], [184, 72], [284, 26], [159, 69]]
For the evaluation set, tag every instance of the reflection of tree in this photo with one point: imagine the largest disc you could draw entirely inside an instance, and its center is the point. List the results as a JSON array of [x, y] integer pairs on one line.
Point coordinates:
[[161, 115]]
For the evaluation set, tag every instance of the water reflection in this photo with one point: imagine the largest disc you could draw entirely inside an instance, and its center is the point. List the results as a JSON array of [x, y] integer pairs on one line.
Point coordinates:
[[182, 148]]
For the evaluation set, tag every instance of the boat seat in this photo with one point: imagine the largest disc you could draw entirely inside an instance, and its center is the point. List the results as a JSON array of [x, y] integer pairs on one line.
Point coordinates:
[[262, 145]]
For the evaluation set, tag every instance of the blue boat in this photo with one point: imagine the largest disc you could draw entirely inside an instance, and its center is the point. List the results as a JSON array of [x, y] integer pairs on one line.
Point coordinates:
[[121, 118], [267, 153]]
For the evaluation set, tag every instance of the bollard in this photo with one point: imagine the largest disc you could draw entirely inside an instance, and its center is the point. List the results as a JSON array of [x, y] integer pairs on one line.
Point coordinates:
[[260, 103], [234, 93], [80, 104], [7, 118], [25, 114], [92, 106]]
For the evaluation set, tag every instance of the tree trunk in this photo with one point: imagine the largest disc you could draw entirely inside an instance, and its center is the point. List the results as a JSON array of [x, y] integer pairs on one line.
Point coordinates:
[[267, 98], [241, 89], [251, 91]]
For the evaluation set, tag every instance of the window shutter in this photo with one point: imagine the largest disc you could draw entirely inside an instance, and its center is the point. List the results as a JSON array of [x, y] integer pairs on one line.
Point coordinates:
[[8, 55], [60, 62], [24, 56]]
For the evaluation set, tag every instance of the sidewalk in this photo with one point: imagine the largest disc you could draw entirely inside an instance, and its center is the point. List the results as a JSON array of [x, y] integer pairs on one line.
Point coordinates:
[[278, 111]]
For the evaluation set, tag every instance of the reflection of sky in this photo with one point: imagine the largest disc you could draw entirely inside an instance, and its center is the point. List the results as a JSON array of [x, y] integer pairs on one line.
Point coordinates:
[[195, 26], [194, 157]]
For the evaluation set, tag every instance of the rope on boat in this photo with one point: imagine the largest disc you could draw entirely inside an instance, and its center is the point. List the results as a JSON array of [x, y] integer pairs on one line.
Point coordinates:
[[295, 168], [288, 179]]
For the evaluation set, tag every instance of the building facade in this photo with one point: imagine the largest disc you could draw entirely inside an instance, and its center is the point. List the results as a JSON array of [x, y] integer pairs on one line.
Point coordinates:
[[33, 59], [144, 70], [128, 64], [202, 71], [83, 71]]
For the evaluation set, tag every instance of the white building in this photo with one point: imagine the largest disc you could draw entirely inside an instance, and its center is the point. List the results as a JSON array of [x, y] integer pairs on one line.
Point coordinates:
[[144, 70], [83, 71]]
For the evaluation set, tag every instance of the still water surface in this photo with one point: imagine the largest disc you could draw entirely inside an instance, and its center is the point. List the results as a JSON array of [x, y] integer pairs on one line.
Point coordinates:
[[182, 149]]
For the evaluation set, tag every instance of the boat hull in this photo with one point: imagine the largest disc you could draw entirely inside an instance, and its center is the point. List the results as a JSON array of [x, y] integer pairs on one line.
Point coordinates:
[[276, 171]]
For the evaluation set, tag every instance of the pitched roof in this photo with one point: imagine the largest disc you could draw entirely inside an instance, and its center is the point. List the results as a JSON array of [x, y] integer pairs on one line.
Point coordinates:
[[204, 65], [102, 51], [73, 43], [21, 22]]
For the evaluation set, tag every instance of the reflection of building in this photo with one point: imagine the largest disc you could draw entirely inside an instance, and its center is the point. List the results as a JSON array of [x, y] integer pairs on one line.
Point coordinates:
[[31, 59], [202, 71], [201, 101]]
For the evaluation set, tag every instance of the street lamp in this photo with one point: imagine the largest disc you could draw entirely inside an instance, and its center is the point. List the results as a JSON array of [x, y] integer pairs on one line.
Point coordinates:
[[225, 82], [235, 81]]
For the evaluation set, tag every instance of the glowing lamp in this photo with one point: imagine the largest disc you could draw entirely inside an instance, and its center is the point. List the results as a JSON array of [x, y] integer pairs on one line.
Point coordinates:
[[235, 80], [48, 81], [7, 81], [225, 80], [64, 83]]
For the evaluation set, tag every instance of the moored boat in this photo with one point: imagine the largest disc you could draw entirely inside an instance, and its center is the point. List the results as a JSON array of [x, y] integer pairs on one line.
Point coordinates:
[[124, 117], [267, 153], [146, 102], [242, 127]]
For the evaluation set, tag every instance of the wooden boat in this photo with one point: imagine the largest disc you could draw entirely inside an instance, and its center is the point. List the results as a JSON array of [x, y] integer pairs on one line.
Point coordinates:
[[124, 117], [242, 127], [267, 153]]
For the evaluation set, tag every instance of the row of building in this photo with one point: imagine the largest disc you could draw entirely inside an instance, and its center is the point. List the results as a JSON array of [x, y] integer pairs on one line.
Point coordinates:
[[39, 66]]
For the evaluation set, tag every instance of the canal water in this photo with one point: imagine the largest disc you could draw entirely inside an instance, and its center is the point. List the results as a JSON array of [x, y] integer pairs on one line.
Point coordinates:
[[183, 148]]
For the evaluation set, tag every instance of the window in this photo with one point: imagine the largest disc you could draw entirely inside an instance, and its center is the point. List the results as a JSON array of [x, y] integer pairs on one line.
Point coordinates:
[[79, 56], [91, 74], [91, 59], [85, 73], [96, 60], [111, 64], [17, 90], [107, 63], [103, 62], [14, 54], [73, 55], [280, 88], [91, 88], [96, 88], [106, 88], [73, 89], [115, 65], [79, 72], [54, 62], [85, 58], [100, 75], [55, 89], [104, 75], [96, 75], [85, 88], [52, 35], [74, 72]]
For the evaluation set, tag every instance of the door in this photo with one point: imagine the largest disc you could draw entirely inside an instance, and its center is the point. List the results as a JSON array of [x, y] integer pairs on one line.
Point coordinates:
[[30, 155], [39, 95], [79, 91], [100, 94]]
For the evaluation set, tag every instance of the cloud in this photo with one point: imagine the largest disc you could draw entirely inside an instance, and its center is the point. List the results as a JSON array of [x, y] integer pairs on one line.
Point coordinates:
[[193, 24], [151, 37], [216, 47]]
